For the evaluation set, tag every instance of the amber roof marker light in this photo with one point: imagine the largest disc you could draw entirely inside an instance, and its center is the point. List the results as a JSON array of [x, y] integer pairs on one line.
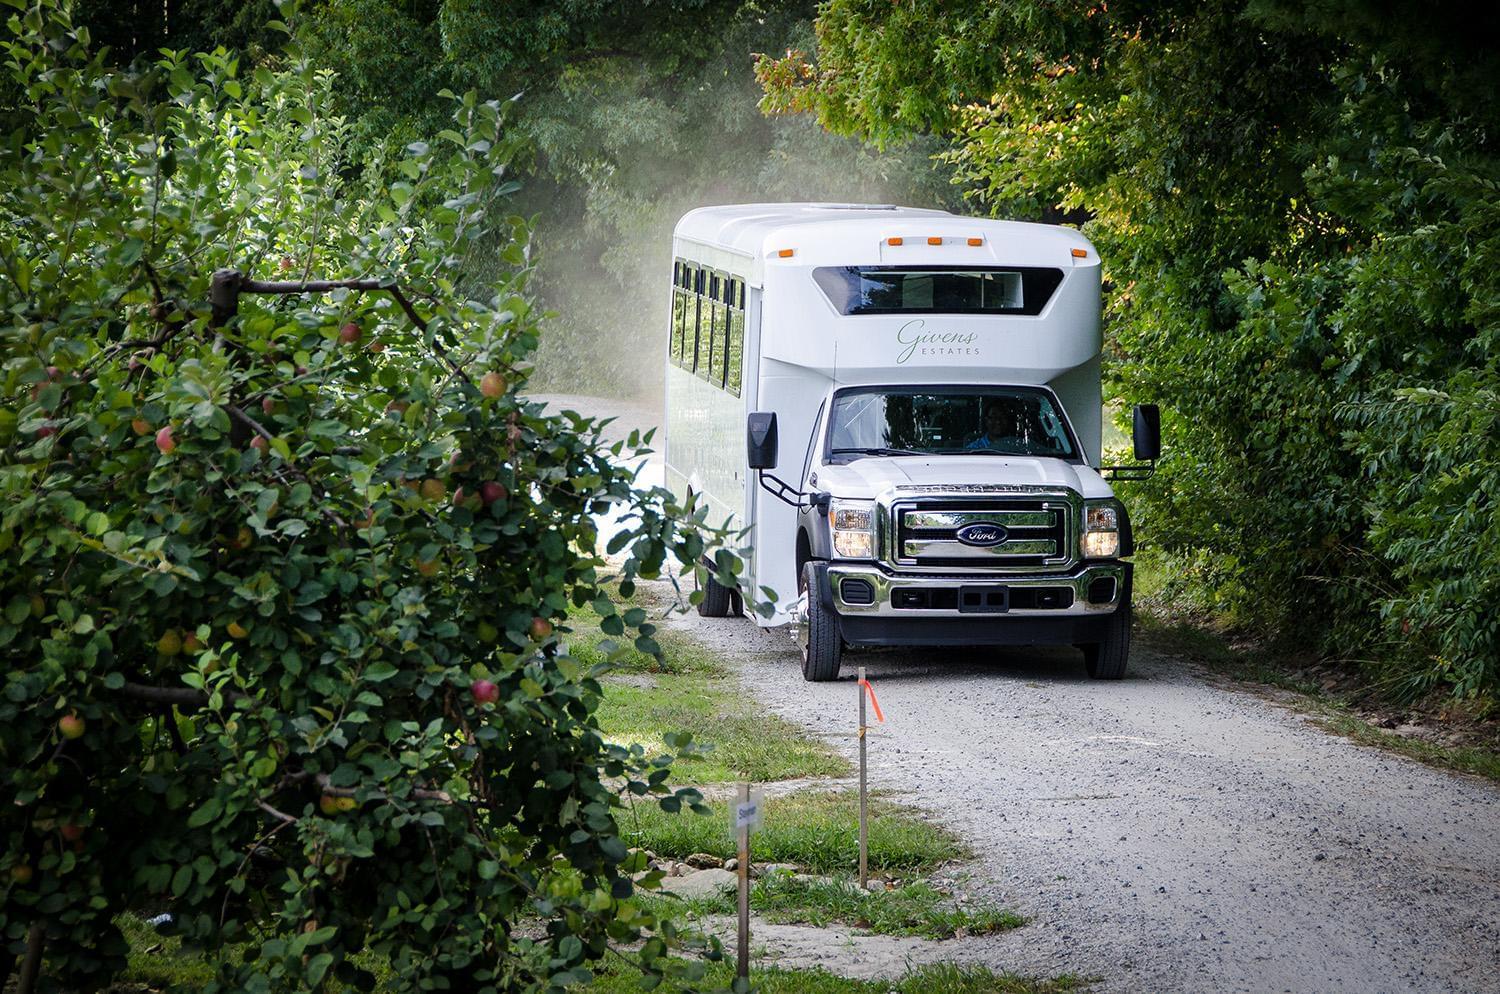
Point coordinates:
[[786, 253], [976, 241], [894, 240], [934, 240], [1080, 253]]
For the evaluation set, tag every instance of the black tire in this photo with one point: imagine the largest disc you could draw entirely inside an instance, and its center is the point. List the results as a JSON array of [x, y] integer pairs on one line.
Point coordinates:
[[823, 647], [1106, 660], [718, 600]]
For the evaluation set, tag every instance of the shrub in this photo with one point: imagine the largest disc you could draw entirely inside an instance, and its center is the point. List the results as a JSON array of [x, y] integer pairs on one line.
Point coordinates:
[[264, 559]]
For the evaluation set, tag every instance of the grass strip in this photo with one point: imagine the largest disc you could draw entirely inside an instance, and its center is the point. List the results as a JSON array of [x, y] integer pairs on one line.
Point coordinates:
[[815, 829], [914, 909], [943, 978]]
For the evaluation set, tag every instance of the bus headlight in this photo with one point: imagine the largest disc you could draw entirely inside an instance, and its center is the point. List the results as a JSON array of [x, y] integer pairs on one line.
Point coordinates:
[[853, 524], [1101, 531]]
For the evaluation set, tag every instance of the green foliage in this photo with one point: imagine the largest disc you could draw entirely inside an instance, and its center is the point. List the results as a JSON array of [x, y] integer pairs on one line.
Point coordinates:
[[240, 658], [1296, 209]]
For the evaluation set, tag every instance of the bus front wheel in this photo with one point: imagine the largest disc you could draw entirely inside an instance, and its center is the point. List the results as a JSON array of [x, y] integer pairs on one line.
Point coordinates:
[[818, 631]]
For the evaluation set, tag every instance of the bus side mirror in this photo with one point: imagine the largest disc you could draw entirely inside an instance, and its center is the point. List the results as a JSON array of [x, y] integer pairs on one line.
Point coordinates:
[[1147, 432], [760, 439]]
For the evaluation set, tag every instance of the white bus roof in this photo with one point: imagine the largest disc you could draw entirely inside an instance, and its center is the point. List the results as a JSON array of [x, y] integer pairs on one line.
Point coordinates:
[[824, 233]]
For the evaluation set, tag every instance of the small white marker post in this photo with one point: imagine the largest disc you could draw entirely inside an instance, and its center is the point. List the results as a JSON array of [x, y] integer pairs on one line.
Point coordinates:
[[864, 829], [747, 815]]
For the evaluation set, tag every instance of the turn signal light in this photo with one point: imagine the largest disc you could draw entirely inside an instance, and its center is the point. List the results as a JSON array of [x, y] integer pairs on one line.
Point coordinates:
[[786, 253]]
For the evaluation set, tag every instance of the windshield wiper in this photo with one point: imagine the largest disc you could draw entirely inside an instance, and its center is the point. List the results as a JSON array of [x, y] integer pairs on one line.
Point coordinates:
[[881, 452]]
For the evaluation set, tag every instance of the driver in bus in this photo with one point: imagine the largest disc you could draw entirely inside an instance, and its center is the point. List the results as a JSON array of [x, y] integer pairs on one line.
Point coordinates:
[[1003, 427]]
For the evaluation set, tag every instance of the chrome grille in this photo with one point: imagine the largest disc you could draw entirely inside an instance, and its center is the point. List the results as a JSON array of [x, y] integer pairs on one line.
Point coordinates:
[[923, 533]]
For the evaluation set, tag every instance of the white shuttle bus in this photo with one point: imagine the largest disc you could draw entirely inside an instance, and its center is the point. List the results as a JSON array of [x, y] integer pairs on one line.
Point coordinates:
[[902, 409]]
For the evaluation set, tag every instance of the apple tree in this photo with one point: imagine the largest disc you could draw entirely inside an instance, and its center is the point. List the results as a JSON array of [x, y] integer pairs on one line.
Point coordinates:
[[286, 554]]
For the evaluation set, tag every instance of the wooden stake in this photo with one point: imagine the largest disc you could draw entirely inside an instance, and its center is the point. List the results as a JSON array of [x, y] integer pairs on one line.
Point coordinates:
[[864, 827], [31, 966], [742, 968]]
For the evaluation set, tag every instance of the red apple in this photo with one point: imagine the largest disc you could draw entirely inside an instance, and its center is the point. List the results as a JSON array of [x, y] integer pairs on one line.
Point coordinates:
[[268, 405], [484, 692], [71, 832], [329, 805], [46, 431], [301, 370], [490, 491], [377, 346], [492, 384], [20, 874], [541, 629], [259, 442], [286, 263], [140, 426], [344, 803], [427, 567], [350, 333], [70, 726], [433, 489], [165, 441]]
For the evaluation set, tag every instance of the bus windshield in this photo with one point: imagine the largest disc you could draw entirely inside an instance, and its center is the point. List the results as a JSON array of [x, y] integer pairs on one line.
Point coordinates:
[[1012, 421]]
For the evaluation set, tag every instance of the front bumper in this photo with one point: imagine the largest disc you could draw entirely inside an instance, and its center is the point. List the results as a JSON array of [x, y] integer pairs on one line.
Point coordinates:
[[889, 591], [882, 623]]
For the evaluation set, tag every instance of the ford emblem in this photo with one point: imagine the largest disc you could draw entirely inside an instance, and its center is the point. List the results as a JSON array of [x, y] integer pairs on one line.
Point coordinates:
[[983, 536]]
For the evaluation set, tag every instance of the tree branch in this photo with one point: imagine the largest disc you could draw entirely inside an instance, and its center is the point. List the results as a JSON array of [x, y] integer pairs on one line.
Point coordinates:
[[175, 695], [419, 793]]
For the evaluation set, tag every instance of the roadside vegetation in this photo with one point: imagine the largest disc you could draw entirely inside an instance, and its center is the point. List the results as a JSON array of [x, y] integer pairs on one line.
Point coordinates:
[[814, 829], [1295, 207], [940, 979], [1459, 735], [915, 908]]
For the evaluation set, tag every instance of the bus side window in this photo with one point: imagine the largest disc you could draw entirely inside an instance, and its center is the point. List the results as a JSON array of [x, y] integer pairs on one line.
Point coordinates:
[[694, 321], [720, 329], [679, 313], [736, 336]]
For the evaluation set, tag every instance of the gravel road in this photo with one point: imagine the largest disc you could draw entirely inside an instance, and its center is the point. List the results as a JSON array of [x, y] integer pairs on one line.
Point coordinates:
[[1166, 832]]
